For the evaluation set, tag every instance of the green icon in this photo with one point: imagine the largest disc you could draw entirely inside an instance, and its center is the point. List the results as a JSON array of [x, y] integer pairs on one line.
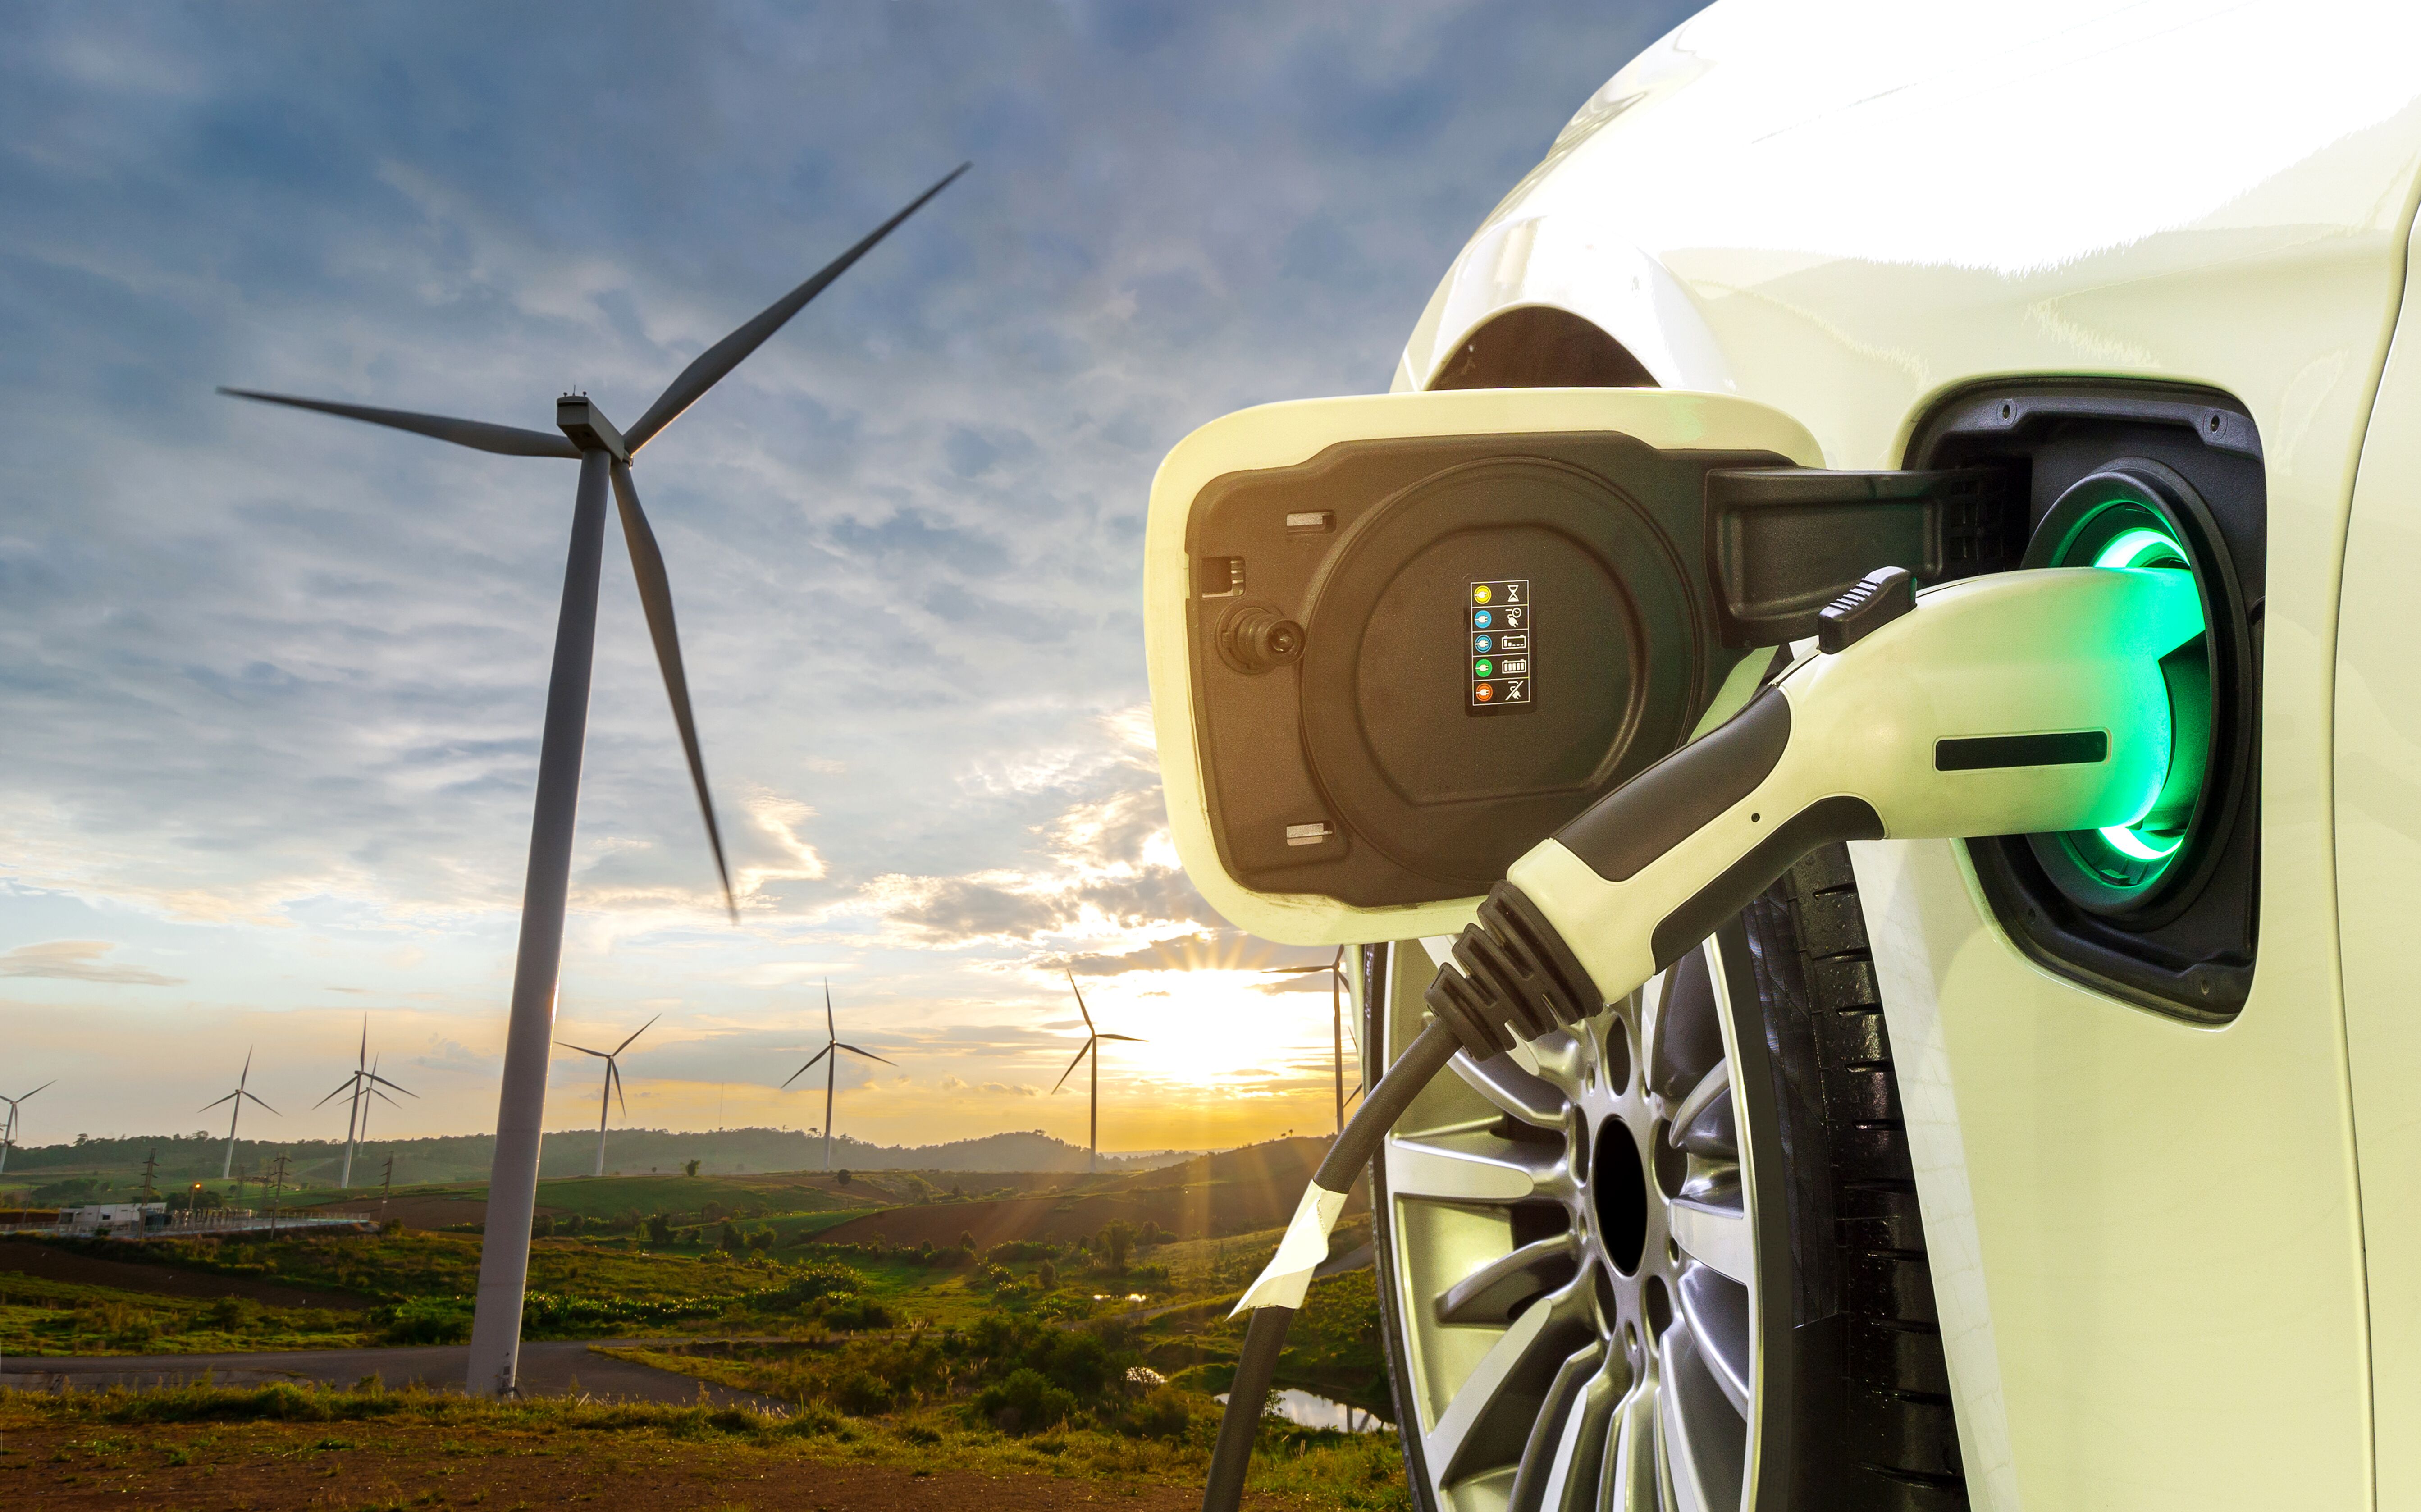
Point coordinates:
[[1483, 668]]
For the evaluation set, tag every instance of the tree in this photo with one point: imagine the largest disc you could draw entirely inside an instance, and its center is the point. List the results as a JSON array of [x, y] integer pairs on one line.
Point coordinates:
[[1117, 1239], [689, 1167], [660, 1229], [729, 1238], [842, 1175], [1047, 1276]]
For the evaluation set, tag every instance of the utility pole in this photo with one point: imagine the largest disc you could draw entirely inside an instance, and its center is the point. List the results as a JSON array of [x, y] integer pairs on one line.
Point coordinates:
[[386, 1187], [150, 1163], [280, 1192]]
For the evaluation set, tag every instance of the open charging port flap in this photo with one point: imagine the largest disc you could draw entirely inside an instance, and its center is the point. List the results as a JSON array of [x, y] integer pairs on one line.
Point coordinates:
[[1395, 640]]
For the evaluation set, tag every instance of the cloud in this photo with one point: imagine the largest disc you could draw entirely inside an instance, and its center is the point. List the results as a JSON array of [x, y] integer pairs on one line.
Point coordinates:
[[275, 683], [78, 960]]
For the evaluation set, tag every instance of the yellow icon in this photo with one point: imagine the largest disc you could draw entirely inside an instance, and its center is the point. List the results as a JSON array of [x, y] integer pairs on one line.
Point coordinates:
[[1482, 593]]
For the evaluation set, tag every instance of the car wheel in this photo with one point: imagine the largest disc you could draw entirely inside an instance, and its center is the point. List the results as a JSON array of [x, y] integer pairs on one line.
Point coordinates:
[[1670, 1259]]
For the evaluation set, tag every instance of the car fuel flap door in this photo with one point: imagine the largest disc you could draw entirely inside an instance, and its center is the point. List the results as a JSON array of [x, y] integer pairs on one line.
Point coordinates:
[[1395, 640]]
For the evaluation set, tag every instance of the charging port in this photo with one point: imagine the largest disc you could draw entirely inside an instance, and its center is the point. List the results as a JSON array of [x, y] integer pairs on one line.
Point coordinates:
[[2162, 910]]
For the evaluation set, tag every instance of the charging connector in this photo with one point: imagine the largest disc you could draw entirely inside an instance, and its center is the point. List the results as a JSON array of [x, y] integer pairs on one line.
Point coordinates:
[[2017, 703]]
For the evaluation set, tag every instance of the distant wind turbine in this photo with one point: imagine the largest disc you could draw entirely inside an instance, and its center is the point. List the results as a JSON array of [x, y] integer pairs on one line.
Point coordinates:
[[238, 1097], [8, 1128], [604, 454], [1093, 1048], [357, 1089], [1335, 970], [832, 1044], [613, 1083]]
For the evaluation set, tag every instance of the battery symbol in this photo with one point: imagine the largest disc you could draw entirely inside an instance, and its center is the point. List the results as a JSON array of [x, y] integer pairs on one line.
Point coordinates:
[[1515, 642]]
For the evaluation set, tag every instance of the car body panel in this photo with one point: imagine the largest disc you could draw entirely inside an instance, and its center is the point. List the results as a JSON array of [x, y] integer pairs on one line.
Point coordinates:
[[2378, 779], [2148, 1246]]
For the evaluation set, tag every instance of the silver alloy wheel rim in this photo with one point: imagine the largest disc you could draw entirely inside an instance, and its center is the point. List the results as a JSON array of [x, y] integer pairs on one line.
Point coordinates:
[[1577, 1336]]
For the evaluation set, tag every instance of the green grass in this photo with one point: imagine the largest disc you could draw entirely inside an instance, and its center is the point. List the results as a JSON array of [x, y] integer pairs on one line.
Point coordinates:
[[39, 1317], [311, 1432]]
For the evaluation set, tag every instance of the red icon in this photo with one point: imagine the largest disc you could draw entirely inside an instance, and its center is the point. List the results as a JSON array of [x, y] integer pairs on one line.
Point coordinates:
[[1484, 691]]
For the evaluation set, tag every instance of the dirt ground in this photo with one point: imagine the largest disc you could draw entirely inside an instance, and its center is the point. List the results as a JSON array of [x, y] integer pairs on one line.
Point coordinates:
[[363, 1465]]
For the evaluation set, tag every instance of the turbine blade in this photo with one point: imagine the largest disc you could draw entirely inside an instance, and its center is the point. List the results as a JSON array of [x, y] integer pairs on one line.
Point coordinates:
[[383, 1098], [584, 1050], [247, 1070], [384, 1082], [711, 365], [479, 435], [867, 1054], [256, 1098], [333, 1095], [1295, 970], [614, 1074], [830, 1032], [656, 597], [635, 1034], [208, 1106], [809, 1066], [1072, 1066], [45, 1087], [1080, 1002], [1129, 1039]]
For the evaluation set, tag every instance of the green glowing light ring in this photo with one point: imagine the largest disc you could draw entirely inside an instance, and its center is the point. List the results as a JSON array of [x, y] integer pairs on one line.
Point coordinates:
[[2134, 547]]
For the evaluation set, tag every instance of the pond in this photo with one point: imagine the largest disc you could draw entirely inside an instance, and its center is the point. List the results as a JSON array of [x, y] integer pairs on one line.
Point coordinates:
[[1303, 1410]]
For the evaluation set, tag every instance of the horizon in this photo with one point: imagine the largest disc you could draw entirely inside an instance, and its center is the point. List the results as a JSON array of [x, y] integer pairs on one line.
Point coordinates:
[[274, 680]]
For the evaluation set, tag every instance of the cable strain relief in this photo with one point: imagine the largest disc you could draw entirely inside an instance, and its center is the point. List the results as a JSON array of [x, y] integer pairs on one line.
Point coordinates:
[[1511, 978]]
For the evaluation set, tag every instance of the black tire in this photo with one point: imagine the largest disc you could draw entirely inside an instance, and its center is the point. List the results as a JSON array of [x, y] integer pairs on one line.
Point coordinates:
[[1855, 1411]]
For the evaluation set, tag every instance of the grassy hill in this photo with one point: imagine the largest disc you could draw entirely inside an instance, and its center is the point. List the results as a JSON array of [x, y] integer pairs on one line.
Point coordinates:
[[113, 1168]]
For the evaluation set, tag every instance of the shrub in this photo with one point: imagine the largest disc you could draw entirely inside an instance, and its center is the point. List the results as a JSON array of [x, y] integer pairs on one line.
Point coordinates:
[[1163, 1413], [543, 1227], [233, 1315], [660, 1229], [729, 1240], [427, 1321], [841, 1176], [1116, 1240], [1025, 1402], [1047, 1276], [689, 1167]]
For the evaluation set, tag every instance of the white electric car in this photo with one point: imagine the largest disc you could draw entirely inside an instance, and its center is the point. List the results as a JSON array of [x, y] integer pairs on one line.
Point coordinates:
[[2047, 1172]]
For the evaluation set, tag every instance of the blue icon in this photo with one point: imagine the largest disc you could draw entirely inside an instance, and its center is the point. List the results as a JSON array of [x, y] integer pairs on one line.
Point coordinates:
[[1483, 643], [1481, 619]]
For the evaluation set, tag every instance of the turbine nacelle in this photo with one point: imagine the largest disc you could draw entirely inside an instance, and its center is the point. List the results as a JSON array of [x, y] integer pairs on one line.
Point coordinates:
[[578, 417]]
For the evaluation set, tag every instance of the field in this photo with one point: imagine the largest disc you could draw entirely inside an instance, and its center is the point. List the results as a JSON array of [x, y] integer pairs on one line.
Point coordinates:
[[285, 1448], [919, 1330]]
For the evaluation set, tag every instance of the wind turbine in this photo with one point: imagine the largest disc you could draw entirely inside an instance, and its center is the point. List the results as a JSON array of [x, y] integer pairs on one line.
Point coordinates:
[[1092, 1047], [613, 1083], [238, 1097], [604, 454], [832, 1043], [8, 1128], [356, 1088], [1335, 970]]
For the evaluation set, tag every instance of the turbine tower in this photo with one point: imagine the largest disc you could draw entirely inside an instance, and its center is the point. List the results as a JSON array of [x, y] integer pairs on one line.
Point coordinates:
[[1335, 970], [238, 1097], [1093, 1039], [604, 454], [8, 1127], [832, 1044], [357, 1089], [613, 1083]]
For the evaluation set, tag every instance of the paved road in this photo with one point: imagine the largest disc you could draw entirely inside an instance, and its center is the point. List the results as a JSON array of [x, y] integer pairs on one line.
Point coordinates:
[[548, 1369]]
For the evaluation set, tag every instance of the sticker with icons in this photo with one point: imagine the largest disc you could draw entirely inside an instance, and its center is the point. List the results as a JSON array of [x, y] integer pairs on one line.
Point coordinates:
[[1497, 616]]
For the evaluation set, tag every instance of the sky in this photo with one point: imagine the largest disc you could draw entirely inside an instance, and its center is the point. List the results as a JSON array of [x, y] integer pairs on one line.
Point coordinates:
[[270, 683]]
